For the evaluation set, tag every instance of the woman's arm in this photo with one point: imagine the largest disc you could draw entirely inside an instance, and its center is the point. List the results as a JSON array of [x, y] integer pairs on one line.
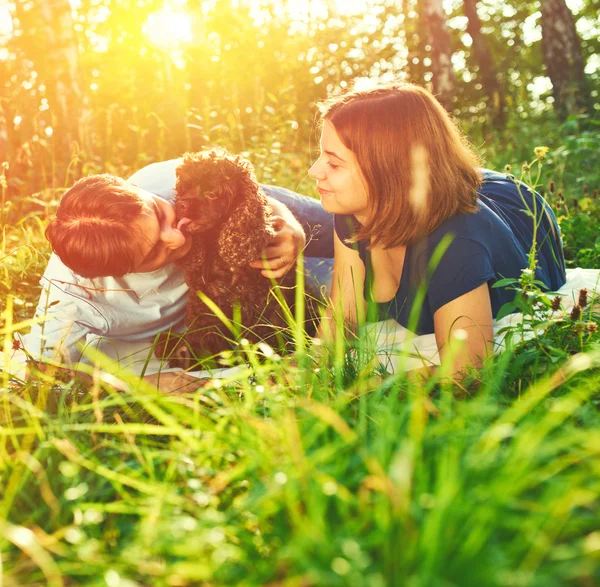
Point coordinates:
[[472, 314], [346, 290]]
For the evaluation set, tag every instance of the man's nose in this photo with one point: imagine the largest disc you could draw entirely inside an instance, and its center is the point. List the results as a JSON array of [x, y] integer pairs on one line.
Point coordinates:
[[173, 238]]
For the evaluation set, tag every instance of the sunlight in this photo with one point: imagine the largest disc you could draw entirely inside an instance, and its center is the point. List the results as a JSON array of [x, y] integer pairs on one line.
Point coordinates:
[[168, 28], [6, 24], [306, 8]]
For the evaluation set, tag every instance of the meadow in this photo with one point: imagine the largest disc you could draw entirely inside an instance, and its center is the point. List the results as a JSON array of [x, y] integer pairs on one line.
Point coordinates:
[[301, 470]]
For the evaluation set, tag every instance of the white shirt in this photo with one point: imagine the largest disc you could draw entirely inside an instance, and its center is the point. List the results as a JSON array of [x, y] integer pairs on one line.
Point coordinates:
[[131, 308]]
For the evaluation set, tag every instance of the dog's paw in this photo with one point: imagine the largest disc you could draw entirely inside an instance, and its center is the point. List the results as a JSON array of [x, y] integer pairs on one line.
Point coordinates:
[[173, 349], [182, 357]]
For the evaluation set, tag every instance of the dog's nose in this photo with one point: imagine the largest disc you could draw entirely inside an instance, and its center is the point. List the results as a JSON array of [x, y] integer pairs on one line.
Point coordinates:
[[181, 209]]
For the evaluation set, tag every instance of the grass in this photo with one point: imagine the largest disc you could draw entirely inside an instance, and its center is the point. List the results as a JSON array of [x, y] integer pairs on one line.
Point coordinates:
[[285, 478], [315, 471]]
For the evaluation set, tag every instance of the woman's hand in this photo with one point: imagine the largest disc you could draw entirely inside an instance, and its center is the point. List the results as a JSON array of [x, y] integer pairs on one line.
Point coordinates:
[[283, 250]]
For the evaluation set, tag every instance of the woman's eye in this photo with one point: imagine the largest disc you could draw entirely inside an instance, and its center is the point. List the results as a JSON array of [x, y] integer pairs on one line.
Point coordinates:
[[332, 165]]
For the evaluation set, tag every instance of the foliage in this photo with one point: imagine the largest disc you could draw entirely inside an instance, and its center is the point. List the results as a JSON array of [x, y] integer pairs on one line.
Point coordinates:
[[569, 179]]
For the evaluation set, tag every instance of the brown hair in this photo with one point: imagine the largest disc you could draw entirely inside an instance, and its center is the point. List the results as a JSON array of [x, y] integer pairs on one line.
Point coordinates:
[[418, 167], [92, 232]]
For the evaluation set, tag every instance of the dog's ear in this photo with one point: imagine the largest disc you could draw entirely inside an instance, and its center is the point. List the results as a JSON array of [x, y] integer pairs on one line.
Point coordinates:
[[248, 229]]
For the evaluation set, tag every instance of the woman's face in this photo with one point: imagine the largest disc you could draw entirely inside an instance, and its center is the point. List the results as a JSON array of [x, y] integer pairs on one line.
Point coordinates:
[[340, 181], [160, 241]]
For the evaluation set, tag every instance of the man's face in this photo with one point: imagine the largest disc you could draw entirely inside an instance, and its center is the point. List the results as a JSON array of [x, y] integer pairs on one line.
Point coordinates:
[[160, 241]]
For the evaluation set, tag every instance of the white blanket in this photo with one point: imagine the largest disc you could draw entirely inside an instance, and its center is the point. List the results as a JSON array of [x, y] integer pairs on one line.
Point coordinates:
[[397, 348]]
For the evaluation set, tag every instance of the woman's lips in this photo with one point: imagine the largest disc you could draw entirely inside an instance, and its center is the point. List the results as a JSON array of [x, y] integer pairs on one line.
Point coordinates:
[[323, 192]]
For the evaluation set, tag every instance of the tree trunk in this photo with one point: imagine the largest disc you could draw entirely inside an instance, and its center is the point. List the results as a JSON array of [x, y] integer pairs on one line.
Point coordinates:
[[50, 42], [487, 73], [4, 124], [444, 81], [64, 59], [562, 55], [415, 39]]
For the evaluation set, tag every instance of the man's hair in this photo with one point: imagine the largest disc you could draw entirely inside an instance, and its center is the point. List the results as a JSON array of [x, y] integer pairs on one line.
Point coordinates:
[[93, 230], [418, 167]]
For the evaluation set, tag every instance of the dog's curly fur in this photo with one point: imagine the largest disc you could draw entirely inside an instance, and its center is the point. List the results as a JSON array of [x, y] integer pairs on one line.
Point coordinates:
[[231, 226]]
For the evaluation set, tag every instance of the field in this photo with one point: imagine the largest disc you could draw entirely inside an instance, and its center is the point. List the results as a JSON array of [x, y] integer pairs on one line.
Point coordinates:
[[302, 470]]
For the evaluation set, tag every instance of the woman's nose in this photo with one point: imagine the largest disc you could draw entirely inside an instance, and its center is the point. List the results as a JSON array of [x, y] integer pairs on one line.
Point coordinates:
[[316, 172]]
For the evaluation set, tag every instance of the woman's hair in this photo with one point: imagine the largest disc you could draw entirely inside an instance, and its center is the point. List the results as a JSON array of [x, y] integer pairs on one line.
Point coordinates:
[[93, 231], [418, 167]]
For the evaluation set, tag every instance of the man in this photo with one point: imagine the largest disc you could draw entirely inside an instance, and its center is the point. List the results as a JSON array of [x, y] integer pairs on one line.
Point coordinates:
[[112, 278]]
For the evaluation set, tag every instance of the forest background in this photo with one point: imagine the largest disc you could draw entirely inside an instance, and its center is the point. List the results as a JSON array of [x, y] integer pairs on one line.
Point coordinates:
[[92, 85], [305, 474]]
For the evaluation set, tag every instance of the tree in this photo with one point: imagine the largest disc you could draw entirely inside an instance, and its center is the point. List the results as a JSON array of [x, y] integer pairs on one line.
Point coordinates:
[[51, 43], [561, 48], [444, 81], [485, 63]]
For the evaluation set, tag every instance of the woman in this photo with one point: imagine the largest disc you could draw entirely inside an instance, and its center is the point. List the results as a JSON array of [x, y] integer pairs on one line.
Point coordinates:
[[415, 214]]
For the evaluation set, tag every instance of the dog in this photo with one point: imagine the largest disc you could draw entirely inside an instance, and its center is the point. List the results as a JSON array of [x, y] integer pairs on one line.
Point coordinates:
[[221, 206]]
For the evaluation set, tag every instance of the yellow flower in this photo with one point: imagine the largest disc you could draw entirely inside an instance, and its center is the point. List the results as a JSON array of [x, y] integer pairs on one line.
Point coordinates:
[[540, 152]]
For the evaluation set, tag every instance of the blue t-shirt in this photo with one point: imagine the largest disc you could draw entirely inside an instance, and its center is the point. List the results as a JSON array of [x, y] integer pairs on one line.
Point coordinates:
[[485, 246]]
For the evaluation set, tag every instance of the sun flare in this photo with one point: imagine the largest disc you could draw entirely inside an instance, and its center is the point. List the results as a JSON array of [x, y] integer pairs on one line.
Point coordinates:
[[168, 28], [6, 24]]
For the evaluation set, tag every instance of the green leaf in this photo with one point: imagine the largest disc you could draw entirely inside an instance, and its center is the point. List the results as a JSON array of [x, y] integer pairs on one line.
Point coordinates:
[[505, 310], [504, 282]]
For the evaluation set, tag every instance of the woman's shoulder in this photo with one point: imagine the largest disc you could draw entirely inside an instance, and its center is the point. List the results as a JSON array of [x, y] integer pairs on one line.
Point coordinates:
[[474, 226]]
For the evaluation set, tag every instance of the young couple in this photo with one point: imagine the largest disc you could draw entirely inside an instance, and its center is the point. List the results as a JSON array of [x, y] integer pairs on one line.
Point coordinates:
[[397, 181]]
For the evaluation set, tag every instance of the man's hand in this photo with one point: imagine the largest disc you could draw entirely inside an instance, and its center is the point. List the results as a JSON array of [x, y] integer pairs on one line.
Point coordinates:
[[175, 382], [281, 253]]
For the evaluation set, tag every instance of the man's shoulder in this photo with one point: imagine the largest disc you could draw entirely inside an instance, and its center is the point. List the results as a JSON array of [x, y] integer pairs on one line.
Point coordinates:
[[59, 275], [158, 178]]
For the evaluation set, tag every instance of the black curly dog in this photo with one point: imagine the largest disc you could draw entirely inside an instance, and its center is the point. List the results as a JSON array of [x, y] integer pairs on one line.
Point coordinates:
[[230, 227]]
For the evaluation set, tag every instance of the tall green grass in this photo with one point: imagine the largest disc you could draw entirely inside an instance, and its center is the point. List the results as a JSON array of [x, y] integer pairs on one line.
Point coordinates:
[[286, 478]]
